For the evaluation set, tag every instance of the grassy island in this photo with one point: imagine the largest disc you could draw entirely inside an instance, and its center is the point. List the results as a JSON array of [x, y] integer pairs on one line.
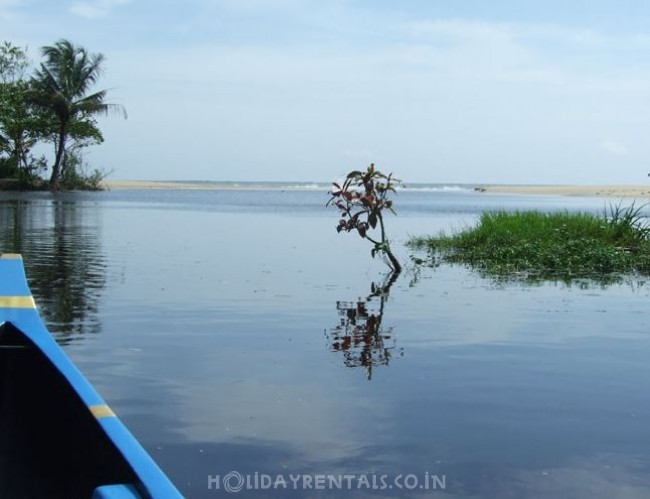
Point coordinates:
[[542, 245]]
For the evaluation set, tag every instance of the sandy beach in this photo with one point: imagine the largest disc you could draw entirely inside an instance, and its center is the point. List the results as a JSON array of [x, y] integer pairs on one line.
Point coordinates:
[[201, 185], [150, 184], [617, 191]]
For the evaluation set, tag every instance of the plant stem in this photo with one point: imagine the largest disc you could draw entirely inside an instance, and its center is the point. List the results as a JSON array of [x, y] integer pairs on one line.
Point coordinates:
[[395, 265]]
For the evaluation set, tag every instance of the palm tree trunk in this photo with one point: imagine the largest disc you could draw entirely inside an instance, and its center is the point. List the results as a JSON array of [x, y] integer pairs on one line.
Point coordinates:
[[56, 168]]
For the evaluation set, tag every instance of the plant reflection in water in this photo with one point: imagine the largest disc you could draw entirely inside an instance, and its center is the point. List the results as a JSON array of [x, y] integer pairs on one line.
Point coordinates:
[[360, 334]]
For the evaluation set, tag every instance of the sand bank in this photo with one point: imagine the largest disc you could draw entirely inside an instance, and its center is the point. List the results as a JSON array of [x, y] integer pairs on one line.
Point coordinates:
[[208, 185], [151, 184], [617, 191]]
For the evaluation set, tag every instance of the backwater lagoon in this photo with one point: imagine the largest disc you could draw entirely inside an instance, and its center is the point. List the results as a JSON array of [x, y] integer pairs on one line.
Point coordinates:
[[234, 331]]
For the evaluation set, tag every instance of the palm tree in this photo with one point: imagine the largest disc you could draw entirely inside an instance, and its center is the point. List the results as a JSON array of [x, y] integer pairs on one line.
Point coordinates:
[[63, 82]]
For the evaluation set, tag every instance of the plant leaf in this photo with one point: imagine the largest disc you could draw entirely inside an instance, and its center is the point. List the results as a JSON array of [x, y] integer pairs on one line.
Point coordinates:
[[372, 220]]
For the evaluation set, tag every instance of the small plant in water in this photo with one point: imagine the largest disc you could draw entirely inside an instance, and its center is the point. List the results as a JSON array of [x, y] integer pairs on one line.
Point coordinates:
[[361, 199]]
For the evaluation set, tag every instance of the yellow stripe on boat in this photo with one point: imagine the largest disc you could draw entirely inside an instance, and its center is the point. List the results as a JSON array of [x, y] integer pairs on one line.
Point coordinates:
[[11, 256], [102, 411], [17, 302]]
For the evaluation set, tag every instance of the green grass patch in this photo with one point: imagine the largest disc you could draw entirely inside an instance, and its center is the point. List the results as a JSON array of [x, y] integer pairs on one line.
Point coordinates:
[[548, 245]]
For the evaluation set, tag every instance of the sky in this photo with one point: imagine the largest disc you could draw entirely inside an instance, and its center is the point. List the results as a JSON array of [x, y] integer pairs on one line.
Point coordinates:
[[436, 91]]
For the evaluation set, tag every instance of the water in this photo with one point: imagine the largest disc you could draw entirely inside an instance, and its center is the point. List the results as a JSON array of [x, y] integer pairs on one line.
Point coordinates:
[[219, 325]]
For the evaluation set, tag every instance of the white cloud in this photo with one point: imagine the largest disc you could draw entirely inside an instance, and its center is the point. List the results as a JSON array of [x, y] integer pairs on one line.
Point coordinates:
[[7, 7], [398, 102], [523, 43], [461, 29], [614, 147], [486, 31], [8, 4], [256, 5], [95, 9]]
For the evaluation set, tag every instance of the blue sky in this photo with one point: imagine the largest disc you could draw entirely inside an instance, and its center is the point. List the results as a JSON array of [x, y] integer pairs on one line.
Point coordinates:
[[435, 91]]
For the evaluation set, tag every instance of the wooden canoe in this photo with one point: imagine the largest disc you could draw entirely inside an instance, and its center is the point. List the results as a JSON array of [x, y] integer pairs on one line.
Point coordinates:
[[58, 438]]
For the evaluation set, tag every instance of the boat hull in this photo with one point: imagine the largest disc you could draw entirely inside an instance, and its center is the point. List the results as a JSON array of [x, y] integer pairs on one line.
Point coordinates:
[[58, 438]]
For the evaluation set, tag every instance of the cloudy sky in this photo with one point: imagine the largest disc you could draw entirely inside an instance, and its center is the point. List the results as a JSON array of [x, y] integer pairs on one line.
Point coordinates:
[[434, 90]]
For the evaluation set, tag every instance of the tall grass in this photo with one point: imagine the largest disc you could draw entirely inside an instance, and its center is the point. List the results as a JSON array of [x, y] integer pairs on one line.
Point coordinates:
[[549, 244]]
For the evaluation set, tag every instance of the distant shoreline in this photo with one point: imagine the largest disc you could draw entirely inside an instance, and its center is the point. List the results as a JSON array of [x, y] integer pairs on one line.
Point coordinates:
[[641, 191], [200, 185], [570, 190], [150, 184]]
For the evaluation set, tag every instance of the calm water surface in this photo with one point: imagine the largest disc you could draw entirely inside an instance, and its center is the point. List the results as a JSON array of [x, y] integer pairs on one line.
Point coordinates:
[[235, 330]]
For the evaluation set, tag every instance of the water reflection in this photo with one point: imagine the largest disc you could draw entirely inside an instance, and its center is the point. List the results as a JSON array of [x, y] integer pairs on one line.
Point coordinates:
[[360, 335], [60, 243], [583, 282], [534, 277]]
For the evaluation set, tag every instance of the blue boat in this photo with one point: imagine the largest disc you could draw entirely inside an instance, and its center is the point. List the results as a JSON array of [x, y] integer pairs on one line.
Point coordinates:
[[58, 438]]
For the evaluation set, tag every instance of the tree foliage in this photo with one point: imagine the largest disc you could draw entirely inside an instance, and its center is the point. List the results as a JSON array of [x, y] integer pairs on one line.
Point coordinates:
[[62, 85], [21, 124], [13, 63], [56, 105], [361, 200]]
